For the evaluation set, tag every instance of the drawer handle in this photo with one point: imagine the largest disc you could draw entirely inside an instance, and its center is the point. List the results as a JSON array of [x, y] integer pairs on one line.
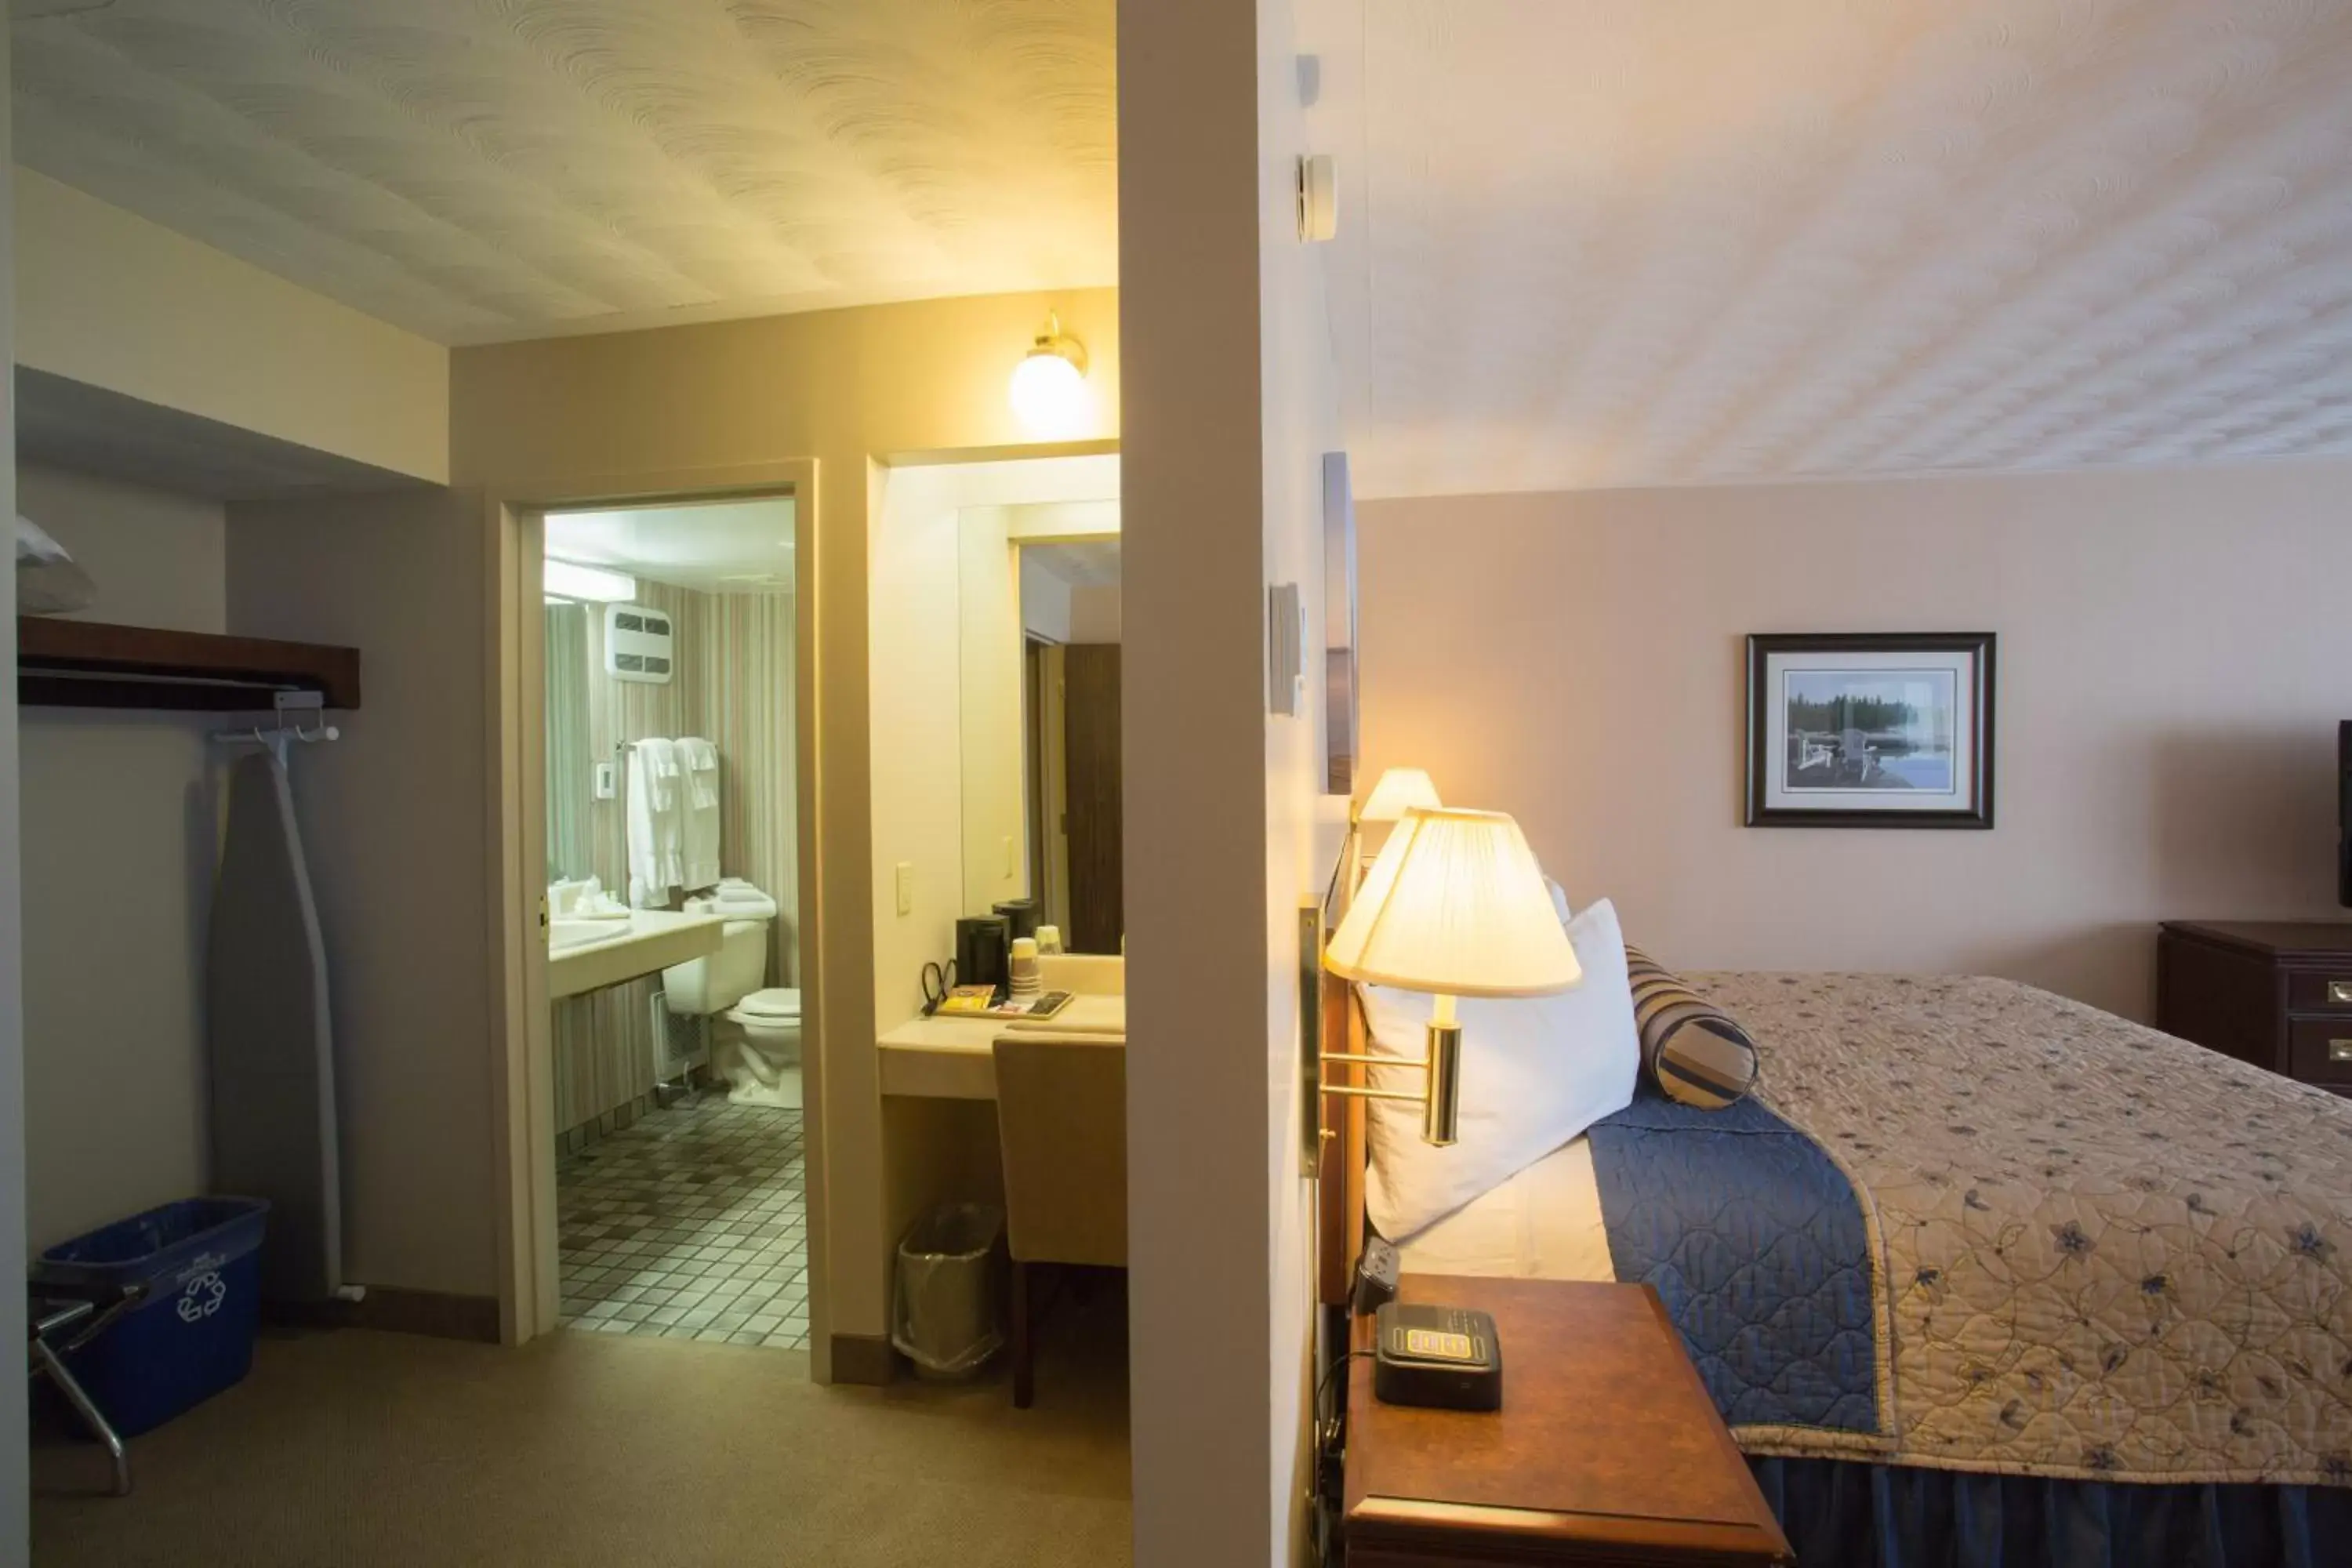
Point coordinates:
[[2339, 991], [2340, 1050]]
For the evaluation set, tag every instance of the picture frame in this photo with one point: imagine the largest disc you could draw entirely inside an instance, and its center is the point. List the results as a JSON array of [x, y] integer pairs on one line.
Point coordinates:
[[1342, 728], [1870, 729]]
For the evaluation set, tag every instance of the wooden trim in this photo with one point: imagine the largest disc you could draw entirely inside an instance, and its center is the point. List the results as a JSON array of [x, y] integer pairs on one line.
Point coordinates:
[[863, 1358], [1339, 1188], [391, 1308], [93, 664]]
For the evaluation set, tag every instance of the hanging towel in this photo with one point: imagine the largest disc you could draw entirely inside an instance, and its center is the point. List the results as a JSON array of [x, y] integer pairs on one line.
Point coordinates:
[[699, 810], [656, 849]]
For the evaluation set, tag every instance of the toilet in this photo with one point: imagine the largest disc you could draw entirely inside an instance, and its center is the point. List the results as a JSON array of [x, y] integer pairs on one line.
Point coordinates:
[[755, 1028]]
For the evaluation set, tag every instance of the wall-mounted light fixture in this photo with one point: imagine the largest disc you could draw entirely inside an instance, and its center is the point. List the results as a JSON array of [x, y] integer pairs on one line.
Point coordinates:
[[596, 585], [1049, 385], [1455, 906]]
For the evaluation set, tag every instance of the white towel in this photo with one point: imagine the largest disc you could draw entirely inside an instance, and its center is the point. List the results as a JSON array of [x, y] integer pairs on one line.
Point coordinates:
[[656, 861], [699, 810]]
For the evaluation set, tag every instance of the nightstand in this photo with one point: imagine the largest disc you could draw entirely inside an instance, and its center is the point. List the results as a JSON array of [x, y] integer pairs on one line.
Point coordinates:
[[2277, 994], [1607, 1449]]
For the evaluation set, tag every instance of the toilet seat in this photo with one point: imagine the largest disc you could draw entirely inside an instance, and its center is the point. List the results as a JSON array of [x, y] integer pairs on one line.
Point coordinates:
[[776, 1004]]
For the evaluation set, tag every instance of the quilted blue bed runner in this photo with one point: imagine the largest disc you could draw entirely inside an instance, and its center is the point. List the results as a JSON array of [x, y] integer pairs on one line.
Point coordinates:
[[1756, 1243]]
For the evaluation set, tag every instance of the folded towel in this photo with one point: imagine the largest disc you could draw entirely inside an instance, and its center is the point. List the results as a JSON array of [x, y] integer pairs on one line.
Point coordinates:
[[761, 908]]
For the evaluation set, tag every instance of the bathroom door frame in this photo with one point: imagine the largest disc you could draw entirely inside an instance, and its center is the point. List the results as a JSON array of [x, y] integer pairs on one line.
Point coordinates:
[[523, 1093]]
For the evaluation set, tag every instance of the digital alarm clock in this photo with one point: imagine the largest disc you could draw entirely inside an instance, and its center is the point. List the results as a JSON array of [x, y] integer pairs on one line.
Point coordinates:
[[1448, 1357]]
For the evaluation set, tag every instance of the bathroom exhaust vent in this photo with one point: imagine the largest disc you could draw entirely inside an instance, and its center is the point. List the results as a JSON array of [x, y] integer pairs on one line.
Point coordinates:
[[638, 643]]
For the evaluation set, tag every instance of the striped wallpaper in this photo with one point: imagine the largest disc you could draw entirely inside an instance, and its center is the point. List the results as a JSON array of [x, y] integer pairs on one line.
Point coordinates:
[[734, 687]]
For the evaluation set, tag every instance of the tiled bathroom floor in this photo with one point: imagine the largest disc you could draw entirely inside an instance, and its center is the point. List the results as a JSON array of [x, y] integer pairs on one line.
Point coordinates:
[[689, 1224]]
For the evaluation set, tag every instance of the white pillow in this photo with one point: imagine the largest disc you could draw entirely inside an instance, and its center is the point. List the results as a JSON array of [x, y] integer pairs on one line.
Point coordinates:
[[1535, 1071]]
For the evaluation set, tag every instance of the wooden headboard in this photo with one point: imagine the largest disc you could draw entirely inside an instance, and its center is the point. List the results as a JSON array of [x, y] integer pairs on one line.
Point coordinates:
[[1340, 1159]]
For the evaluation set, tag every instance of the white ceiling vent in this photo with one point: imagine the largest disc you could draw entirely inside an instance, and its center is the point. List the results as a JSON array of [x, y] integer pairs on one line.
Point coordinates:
[[637, 643]]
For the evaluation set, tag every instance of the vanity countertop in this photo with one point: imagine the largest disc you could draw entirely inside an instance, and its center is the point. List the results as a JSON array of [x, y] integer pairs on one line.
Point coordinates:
[[654, 940]]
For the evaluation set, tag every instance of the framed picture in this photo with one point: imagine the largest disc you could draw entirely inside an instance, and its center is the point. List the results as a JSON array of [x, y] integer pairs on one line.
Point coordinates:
[[1869, 730], [1341, 732]]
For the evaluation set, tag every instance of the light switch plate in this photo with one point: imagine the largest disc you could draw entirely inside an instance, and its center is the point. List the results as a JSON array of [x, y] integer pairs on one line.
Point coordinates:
[[607, 786], [906, 880], [1285, 640]]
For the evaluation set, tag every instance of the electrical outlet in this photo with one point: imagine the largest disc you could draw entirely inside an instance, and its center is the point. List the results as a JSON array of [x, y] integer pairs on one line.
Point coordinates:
[[906, 887]]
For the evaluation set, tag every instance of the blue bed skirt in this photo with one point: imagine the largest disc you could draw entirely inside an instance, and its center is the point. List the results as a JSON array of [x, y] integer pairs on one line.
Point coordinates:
[[1840, 1513]]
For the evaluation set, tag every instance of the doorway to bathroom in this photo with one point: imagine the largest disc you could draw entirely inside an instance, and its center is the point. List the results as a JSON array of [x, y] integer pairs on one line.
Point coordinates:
[[673, 843]]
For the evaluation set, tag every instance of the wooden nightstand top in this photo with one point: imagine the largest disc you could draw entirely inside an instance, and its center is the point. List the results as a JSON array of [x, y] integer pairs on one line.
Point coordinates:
[[2281, 938], [1606, 1448]]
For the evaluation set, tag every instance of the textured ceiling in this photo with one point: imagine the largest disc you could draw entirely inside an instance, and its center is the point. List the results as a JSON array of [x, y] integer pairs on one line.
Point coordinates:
[[480, 170], [1612, 242], [1091, 564], [715, 547]]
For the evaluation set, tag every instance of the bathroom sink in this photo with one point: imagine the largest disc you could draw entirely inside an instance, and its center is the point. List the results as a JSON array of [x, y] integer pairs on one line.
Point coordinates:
[[564, 932], [589, 954]]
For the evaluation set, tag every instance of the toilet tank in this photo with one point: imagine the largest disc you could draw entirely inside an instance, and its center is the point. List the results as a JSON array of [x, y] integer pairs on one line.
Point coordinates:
[[715, 983]]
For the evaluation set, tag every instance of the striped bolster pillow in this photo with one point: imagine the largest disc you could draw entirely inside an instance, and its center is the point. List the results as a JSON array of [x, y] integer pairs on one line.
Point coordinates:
[[1693, 1051]]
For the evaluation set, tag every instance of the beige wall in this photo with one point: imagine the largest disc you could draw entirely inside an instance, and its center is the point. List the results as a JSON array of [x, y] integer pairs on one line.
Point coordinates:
[[849, 389], [157, 558], [2174, 656], [393, 820], [118, 877], [14, 1496], [1228, 408], [112, 300]]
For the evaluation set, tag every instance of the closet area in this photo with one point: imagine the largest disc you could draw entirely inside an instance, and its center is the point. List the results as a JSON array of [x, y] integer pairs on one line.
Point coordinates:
[[178, 1018]]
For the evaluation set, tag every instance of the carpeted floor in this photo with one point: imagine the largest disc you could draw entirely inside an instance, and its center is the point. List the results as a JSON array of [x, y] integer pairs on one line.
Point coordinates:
[[352, 1447]]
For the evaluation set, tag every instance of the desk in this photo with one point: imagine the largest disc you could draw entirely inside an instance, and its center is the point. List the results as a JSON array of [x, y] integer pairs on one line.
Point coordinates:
[[954, 1058], [939, 1106]]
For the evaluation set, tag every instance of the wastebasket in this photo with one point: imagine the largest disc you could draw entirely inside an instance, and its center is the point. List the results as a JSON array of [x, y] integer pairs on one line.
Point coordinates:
[[948, 1275], [192, 1334]]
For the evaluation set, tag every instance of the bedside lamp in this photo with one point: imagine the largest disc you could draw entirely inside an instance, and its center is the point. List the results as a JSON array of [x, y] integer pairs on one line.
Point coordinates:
[[1398, 792], [1454, 906]]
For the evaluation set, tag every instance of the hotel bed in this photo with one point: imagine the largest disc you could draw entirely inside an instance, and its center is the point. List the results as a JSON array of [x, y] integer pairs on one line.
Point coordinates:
[[1978, 1274]]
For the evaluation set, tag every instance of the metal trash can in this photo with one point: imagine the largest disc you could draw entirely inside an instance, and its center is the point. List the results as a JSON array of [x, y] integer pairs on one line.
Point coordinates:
[[949, 1281]]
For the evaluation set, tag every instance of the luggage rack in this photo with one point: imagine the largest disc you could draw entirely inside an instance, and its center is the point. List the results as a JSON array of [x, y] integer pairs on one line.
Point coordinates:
[[61, 1327]]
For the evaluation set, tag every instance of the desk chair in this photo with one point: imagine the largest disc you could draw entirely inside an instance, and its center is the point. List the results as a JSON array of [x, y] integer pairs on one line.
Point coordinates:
[[1061, 1111]]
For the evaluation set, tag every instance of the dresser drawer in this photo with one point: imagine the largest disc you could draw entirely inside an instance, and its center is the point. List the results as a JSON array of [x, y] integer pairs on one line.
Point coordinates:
[[2319, 1050], [2319, 991]]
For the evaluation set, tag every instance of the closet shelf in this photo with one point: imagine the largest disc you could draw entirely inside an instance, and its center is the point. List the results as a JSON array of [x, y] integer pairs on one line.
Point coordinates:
[[88, 664]]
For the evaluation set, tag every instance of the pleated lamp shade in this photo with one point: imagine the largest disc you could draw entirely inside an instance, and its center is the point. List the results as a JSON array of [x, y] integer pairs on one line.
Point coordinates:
[[1399, 791], [1455, 905]]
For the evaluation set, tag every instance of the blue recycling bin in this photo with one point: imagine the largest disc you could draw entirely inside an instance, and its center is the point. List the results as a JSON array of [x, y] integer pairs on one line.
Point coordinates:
[[191, 1335]]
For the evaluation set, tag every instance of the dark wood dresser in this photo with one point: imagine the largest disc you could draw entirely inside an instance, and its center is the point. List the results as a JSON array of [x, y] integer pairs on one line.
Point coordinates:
[[2277, 994], [1607, 1449]]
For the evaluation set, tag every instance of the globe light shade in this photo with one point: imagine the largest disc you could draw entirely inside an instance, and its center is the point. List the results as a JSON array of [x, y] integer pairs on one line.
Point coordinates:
[[1049, 386]]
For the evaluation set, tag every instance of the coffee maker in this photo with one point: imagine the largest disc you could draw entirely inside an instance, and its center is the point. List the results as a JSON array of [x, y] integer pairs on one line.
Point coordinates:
[[983, 951]]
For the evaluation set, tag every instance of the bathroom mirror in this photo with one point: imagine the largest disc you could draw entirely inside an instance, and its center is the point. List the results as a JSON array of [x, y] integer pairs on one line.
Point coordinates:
[[570, 764], [1038, 588]]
